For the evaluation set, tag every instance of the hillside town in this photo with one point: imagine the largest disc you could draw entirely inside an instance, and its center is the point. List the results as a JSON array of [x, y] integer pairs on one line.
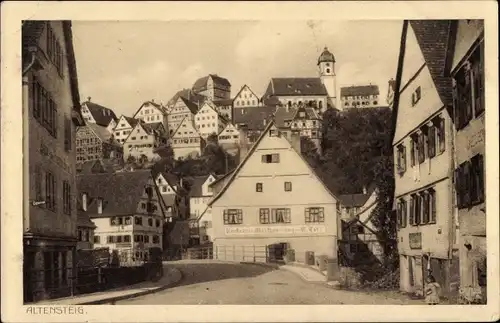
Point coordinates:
[[344, 185]]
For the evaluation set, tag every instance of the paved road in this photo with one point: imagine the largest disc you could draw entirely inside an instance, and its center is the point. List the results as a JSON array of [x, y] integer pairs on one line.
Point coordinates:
[[232, 283]]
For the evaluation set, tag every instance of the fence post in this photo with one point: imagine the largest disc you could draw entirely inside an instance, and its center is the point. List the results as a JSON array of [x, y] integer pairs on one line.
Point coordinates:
[[267, 254], [243, 251], [253, 253]]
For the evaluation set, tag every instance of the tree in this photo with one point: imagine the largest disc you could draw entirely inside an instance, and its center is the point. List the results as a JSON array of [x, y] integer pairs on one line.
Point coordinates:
[[216, 159]]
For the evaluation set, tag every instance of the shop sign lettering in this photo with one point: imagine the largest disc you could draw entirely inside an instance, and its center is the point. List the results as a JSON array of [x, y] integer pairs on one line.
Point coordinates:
[[270, 230]]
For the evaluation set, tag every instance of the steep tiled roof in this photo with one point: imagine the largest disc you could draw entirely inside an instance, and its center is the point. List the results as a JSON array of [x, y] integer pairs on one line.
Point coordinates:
[[151, 127], [201, 83], [223, 102], [132, 121], [196, 185], [187, 94], [83, 221], [120, 191], [193, 107], [256, 118], [289, 86], [31, 32], [100, 131], [433, 37], [101, 115], [359, 90], [271, 101], [357, 200], [323, 178]]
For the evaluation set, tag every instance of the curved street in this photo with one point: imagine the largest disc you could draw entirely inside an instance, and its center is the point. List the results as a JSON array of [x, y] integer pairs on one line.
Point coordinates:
[[212, 283]]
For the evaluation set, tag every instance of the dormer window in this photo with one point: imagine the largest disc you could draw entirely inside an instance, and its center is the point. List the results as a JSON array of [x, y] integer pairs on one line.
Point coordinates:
[[99, 205], [415, 97]]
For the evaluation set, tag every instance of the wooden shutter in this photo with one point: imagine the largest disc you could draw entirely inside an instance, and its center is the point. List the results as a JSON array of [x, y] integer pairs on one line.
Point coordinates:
[[400, 214], [412, 153], [404, 158], [412, 210], [466, 184], [432, 141], [458, 187]]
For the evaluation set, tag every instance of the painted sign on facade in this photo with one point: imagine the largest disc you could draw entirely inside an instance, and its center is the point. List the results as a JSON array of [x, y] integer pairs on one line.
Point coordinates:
[[272, 230], [415, 240]]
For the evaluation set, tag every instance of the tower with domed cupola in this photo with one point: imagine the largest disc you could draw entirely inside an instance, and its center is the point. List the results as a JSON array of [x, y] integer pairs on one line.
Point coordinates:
[[326, 66]]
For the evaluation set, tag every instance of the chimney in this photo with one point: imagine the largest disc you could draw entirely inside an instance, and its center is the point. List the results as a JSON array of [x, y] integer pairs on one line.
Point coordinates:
[[88, 98], [295, 140], [153, 100], [243, 141], [84, 202], [364, 190]]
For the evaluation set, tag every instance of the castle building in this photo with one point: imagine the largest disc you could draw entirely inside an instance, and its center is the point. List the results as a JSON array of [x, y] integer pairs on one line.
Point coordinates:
[[213, 87]]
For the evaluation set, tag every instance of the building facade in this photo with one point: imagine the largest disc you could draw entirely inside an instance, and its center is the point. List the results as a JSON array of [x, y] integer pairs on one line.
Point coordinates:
[[423, 154], [360, 96], [174, 196], [274, 197], [208, 121], [246, 98], [142, 142], [186, 140], [123, 127], [95, 142], [182, 109], [51, 106], [229, 139], [200, 213], [152, 112], [97, 114], [467, 71], [302, 119], [126, 209], [85, 232]]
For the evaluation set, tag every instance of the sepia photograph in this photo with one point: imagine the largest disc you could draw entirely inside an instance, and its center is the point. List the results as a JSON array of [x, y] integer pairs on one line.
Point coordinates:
[[252, 161]]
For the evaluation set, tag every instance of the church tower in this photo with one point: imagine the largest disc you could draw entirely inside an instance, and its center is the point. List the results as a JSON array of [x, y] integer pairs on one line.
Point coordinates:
[[326, 64]]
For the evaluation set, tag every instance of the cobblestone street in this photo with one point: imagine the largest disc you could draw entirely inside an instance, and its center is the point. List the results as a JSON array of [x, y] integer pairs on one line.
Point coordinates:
[[228, 283]]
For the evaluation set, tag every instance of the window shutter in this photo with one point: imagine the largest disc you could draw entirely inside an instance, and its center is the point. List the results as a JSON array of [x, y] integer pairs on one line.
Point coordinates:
[[405, 213], [466, 184], [404, 159], [456, 105], [412, 153], [480, 177], [264, 159], [400, 214], [432, 141], [412, 210]]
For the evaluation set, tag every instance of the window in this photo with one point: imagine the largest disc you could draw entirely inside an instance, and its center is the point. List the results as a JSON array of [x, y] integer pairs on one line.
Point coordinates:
[[441, 134], [66, 197], [413, 150], [414, 209], [469, 182], [157, 223], [138, 220], [401, 159], [477, 61], [432, 205], [126, 238], [110, 239], [431, 141], [54, 49], [119, 239], [264, 216], [271, 158], [258, 187], [288, 186], [38, 182], [281, 215], [233, 216], [314, 214], [99, 206], [150, 222], [421, 147], [146, 238], [138, 238], [415, 97], [44, 108], [97, 239], [156, 239], [50, 191], [424, 198]]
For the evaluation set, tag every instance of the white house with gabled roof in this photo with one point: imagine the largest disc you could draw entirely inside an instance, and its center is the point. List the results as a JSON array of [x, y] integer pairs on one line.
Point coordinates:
[[208, 121], [275, 198], [123, 128], [152, 112], [143, 140], [229, 139], [246, 98], [186, 141]]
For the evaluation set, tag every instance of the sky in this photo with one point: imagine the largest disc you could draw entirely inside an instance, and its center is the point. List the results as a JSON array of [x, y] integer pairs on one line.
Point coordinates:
[[122, 64]]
